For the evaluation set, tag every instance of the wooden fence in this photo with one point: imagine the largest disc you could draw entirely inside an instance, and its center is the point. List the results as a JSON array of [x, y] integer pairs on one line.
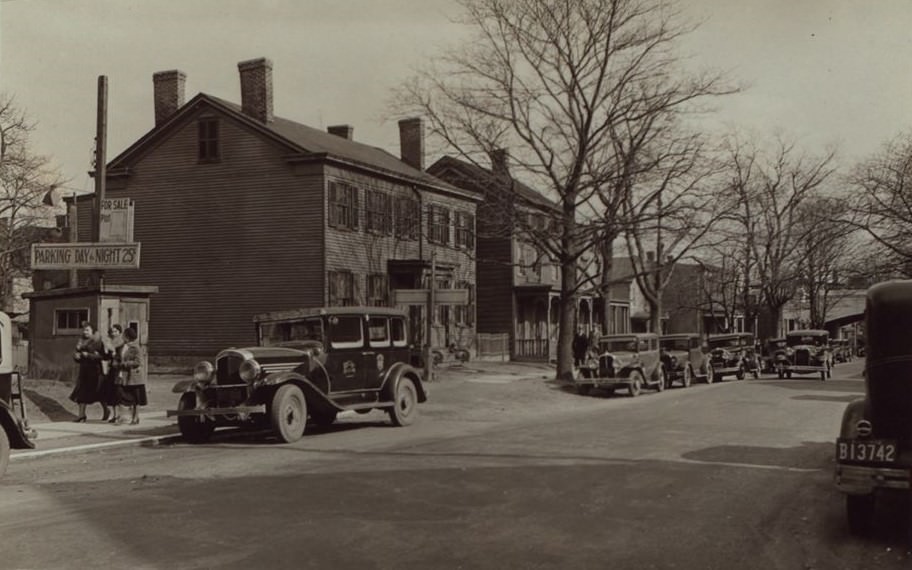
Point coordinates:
[[492, 345]]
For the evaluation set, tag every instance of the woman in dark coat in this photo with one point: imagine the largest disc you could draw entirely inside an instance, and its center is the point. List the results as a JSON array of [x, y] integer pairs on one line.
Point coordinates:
[[89, 352], [109, 383]]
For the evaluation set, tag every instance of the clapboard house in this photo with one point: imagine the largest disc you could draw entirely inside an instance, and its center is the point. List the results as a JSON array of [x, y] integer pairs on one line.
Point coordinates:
[[518, 281], [239, 211]]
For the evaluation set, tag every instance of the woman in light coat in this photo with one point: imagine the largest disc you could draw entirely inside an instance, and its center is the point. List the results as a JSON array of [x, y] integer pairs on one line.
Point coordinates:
[[131, 390]]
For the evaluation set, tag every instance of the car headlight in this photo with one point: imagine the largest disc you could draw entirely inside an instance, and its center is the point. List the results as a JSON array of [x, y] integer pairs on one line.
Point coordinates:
[[203, 371], [250, 370]]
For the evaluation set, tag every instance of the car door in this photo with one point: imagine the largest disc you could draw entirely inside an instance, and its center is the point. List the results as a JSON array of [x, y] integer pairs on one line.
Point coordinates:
[[374, 356], [345, 361]]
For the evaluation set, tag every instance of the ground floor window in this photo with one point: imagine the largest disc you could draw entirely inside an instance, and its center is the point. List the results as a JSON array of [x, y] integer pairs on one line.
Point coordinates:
[[69, 321]]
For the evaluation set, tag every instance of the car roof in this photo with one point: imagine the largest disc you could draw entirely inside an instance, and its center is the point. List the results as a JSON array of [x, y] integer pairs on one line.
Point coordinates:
[[628, 336], [679, 335], [808, 332], [292, 314], [730, 335]]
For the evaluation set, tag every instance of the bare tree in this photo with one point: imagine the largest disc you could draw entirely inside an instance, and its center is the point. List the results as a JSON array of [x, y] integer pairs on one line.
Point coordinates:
[[25, 178], [556, 82], [773, 189], [883, 207]]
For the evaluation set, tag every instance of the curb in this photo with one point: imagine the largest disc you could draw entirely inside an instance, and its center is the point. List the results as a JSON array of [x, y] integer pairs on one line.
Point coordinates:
[[139, 441]]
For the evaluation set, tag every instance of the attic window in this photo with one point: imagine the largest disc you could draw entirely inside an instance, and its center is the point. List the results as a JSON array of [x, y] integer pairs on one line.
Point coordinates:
[[208, 140]]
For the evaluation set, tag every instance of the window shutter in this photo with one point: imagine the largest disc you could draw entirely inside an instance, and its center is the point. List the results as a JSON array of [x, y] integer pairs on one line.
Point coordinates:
[[354, 207]]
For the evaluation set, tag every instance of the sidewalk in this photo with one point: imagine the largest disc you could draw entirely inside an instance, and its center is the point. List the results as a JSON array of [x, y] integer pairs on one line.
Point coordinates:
[[57, 433]]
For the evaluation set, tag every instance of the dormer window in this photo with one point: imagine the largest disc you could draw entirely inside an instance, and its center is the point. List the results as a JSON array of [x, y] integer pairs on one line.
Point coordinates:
[[208, 140]]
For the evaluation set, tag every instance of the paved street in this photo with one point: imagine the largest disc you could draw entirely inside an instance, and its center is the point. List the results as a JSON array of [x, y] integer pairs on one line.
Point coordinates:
[[731, 475]]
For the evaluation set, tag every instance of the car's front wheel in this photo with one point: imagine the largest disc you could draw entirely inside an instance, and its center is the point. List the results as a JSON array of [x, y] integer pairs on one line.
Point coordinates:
[[710, 375], [194, 429], [660, 378], [636, 383], [740, 373], [688, 376], [288, 413], [405, 403]]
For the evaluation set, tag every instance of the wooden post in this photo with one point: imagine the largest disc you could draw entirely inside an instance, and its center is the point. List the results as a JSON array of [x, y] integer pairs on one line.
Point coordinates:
[[101, 128], [428, 354]]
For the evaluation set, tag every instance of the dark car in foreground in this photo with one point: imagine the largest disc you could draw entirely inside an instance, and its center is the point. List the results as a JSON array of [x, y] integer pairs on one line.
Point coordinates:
[[874, 448], [307, 364], [623, 360]]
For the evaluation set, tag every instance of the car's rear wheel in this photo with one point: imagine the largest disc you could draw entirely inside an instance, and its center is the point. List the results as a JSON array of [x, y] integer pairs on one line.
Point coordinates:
[[636, 383], [740, 373], [288, 413], [688, 376], [405, 403], [860, 513], [194, 429], [823, 375], [788, 374], [4, 451]]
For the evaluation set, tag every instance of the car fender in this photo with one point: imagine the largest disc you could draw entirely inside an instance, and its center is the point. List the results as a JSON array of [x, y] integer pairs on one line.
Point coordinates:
[[855, 411], [397, 371], [14, 429], [314, 393]]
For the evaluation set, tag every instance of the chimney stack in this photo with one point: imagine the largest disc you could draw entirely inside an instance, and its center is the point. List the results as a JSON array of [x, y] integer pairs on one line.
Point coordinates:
[[344, 131], [411, 142], [256, 88], [499, 159], [168, 93]]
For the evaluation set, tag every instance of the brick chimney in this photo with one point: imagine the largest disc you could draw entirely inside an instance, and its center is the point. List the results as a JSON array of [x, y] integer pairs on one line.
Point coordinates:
[[344, 131], [411, 142], [169, 93], [256, 89], [499, 162]]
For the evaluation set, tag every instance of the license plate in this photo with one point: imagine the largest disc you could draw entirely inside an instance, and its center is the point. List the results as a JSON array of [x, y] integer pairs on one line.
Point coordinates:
[[870, 450]]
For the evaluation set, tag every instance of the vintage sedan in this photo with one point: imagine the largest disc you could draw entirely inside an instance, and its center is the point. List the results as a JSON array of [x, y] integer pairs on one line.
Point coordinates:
[[773, 354], [733, 353], [628, 360], [683, 357], [808, 352], [15, 432], [874, 448], [308, 363]]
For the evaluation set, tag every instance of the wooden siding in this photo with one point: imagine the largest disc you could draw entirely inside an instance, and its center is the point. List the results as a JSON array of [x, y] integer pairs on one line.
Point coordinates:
[[222, 241], [495, 285]]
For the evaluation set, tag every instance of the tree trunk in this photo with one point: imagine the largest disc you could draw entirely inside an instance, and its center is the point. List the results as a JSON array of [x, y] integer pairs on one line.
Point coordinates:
[[567, 321], [607, 253]]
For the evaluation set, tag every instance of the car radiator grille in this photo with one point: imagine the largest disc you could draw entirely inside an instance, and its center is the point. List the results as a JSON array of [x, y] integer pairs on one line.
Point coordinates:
[[606, 368], [802, 357], [226, 370]]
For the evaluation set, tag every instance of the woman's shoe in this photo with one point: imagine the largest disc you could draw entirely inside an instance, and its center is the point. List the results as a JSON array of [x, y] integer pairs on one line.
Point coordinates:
[[113, 420], [134, 421], [80, 419], [106, 414]]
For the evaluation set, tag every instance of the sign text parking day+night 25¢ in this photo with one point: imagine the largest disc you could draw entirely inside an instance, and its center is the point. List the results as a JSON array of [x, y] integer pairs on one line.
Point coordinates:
[[85, 256]]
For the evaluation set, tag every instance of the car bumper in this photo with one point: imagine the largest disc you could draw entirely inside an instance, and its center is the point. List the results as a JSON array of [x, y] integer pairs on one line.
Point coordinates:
[[862, 480], [804, 369], [232, 411], [719, 369]]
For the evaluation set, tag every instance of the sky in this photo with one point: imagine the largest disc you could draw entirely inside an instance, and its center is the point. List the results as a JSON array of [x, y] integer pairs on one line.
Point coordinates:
[[820, 72]]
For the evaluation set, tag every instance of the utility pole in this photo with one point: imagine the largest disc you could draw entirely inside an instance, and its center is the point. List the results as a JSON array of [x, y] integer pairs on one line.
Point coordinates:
[[101, 129], [428, 355]]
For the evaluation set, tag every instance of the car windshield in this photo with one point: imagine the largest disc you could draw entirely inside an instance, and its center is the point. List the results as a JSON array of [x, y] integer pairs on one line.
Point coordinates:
[[619, 345], [812, 340], [273, 334], [777, 344], [724, 342], [675, 343]]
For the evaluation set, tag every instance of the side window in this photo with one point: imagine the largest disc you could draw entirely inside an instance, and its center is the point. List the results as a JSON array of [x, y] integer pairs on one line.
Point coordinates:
[[69, 321], [644, 345], [378, 331], [397, 330], [345, 332]]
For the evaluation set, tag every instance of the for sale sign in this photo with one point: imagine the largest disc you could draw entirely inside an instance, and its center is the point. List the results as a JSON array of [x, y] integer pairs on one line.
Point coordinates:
[[116, 223]]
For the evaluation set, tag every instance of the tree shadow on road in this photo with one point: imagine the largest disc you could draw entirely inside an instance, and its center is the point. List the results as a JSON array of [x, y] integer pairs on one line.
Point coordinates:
[[809, 455]]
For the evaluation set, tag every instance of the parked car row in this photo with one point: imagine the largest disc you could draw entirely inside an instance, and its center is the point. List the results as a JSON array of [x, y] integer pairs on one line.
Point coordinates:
[[646, 360]]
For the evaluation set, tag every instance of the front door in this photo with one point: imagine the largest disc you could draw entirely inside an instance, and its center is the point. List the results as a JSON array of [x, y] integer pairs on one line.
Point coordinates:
[[345, 362]]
